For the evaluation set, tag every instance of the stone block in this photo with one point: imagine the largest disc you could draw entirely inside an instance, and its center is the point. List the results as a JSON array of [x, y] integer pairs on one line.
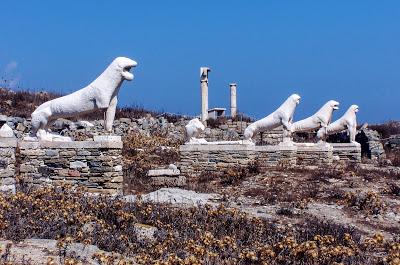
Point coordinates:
[[107, 138], [51, 153], [77, 164], [145, 233], [25, 168], [163, 172], [117, 179], [178, 181]]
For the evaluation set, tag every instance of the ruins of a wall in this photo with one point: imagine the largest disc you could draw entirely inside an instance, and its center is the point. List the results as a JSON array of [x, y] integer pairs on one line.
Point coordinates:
[[348, 152], [314, 154], [95, 165], [196, 159], [7, 164]]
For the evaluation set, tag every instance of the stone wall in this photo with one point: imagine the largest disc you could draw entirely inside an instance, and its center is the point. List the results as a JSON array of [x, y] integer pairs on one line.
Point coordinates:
[[96, 165], [371, 144], [314, 154], [196, 159], [348, 152], [393, 143], [7, 164]]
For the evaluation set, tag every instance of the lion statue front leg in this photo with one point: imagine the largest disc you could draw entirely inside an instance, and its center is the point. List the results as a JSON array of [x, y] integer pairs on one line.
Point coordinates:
[[110, 114]]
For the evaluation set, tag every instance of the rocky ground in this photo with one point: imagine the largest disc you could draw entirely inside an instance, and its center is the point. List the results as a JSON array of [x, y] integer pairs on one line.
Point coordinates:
[[292, 206]]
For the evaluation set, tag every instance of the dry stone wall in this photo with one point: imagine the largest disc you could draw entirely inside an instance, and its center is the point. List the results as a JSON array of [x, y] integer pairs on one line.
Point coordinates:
[[196, 159], [95, 165], [314, 154], [7, 164], [347, 152]]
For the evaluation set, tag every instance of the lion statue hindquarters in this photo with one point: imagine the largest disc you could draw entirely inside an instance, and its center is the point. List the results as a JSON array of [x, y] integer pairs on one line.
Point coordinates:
[[100, 94], [347, 122], [320, 119], [282, 116], [193, 130]]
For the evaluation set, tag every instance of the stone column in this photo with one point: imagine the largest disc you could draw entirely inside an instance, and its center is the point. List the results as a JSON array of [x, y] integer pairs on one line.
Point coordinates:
[[233, 100], [204, 92]]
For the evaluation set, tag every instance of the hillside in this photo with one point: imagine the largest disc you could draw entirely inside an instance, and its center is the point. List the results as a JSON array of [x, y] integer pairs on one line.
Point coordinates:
[[339, 214]]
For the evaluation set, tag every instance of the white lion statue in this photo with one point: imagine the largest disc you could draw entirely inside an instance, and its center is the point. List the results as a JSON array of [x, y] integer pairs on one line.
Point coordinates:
[[320, 119], [282, 116], [347, 122], [100, 94], [193, 130]]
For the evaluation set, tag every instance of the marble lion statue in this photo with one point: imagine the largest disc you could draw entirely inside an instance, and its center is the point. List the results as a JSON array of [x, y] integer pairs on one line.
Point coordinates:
[[193, 130], [320, 119], [347, 122], [282, 116], [100, 94]]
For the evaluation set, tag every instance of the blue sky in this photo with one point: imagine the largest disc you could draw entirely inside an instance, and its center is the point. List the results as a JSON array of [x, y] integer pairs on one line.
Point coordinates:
[[343, 50]]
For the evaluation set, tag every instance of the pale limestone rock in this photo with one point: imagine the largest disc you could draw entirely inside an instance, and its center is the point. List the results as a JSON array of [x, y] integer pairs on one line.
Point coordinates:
[[172, 166], [77, 164], [107, 138], [6, 131], [43, 135], [176, 196], [100, 94], [145, 232], [163, 172]]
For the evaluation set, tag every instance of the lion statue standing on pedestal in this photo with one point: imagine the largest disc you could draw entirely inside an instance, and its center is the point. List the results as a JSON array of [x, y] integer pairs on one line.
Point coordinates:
[[100, 94]]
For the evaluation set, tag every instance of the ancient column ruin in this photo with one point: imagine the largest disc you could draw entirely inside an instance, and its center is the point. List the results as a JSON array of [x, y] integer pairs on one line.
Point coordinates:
[[233, 87], [204, 92]]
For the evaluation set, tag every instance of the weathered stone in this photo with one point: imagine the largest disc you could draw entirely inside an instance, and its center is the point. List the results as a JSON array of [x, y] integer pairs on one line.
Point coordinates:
[[77, 164], [163, 172], [117, 179], [145, 233], [67, 153], [51, 152], [178, 181], [118, 168], [26, 168]]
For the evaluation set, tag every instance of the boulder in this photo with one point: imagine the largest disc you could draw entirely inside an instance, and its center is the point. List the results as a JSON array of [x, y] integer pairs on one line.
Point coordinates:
[[6, 131]]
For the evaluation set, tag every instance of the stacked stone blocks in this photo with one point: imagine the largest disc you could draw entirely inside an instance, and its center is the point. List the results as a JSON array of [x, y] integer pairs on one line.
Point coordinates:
[[95, 165], [7, 164], [196, 159]]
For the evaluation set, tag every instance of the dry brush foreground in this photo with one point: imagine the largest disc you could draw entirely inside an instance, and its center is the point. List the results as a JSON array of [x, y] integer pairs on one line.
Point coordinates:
[[190, 235]]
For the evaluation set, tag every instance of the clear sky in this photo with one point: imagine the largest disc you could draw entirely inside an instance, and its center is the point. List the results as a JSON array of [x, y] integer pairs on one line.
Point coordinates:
[[343, 50]]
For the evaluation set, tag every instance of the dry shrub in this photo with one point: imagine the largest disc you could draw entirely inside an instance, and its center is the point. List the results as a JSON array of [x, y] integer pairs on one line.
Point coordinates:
[[22, 103], [367, 202], [197, 235], [215, 123], [394, 157], [386, 129], [142, 153]]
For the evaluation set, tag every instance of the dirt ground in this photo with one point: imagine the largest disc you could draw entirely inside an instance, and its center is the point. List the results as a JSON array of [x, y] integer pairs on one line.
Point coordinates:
[[363, 197]]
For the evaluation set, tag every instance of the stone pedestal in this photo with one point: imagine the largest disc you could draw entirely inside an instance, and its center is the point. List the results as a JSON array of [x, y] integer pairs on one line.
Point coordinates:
[[96, 165], [196, 159], [166, 178], [314, 154], [7, 164], [275, 155], [347, 152]]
